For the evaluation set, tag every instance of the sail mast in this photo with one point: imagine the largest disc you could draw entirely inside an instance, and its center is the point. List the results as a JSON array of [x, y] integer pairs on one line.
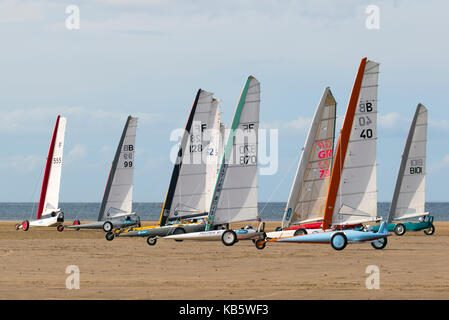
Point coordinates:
[[48, 164], [342, 146]]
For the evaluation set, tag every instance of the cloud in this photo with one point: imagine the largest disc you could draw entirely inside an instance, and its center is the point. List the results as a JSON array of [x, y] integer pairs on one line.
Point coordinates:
[[19, 11], [292, 127], [443, 164], [394, 120], [390, 120], [77, 152], [439, 124], [20, 163], [38, 119]]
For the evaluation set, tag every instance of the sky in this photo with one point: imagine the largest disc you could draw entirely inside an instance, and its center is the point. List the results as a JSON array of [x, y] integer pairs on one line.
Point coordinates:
[[149, 58]]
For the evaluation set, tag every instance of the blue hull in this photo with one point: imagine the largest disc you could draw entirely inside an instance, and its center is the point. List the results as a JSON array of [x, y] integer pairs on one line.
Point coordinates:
[[325, 237]]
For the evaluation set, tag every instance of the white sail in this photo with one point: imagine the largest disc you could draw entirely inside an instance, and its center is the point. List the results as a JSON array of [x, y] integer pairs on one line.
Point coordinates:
[[235, 197], [356, 200], [213, 151], [118, 197], [308, 195], [221, 146], [409, 196], [192, 191], [51, 202]]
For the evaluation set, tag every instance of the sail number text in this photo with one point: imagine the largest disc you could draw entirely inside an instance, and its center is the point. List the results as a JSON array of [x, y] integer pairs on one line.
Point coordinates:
[[128, 155], [248, 154], [365, 121], [196, 143], [416, 166], [324, 153]]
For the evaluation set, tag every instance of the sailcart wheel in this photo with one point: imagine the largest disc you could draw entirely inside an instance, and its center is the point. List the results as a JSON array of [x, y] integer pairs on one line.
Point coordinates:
[[17, 226], [109, 236], [300, 232], [107, 226], [229, 237], [25, 225], [179, 231], [60, 228], [399, 229], [380, 243], [76, 223], [430, 230], [151, 241], [260, 244], [339, 241]]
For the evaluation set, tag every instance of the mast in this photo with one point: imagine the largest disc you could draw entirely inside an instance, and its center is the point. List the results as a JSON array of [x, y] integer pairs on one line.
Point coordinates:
[[342, 146], [177, 167]]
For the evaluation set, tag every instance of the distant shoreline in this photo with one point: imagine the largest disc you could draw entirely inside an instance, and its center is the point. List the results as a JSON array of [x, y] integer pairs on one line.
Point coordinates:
[[152, 202]]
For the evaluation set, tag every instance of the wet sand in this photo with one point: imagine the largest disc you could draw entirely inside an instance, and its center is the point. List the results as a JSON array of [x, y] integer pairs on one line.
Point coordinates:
[[33, 266]]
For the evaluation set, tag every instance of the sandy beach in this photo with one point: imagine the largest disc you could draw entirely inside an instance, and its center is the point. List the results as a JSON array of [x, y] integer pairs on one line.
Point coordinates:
[[33, 266]]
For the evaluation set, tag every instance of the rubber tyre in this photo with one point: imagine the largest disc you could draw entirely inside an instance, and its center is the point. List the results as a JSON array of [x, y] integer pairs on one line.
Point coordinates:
[[430, 231], [25, 225], [399, 229], [109, 236], [17, 226], [60, 228], [380, 243], [260, 244], [76, 223], [151, 241], [179, 230], [300, 231], [229, 237], [339, 241], [107, 226]]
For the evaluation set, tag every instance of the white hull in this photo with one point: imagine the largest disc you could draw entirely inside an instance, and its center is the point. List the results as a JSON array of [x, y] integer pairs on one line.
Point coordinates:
[[215, 235], [45, 222], [411, 215], [289, 233]]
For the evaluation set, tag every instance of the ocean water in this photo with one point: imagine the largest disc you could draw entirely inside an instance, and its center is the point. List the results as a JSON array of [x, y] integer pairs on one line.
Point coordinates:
[[268, 211]]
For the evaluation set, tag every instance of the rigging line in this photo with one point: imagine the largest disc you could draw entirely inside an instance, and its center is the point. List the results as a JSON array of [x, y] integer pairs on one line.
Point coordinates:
[[35, 191], [295, 160]]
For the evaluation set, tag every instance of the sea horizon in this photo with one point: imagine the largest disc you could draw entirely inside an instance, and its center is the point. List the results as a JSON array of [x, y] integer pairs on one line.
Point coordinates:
[[150, 211]]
